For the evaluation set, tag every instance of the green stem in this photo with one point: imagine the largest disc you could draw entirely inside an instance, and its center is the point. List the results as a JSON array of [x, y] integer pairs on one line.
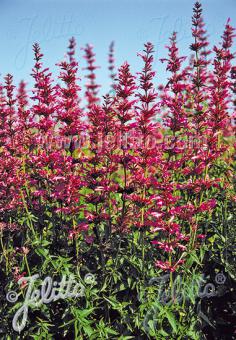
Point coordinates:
[[27, 264]]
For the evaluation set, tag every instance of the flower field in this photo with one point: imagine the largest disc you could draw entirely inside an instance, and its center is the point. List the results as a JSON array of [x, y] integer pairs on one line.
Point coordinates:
[[132, 194]]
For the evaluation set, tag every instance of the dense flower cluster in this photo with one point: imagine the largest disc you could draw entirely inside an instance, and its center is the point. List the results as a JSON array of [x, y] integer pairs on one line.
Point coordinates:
[[135, 174]]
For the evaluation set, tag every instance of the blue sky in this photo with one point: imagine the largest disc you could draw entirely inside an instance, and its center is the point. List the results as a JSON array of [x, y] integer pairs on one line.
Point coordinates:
[[130, 23]]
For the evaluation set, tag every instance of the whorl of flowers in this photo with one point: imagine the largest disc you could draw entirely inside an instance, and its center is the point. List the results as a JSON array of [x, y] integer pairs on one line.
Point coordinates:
[[111, 63], [44, 93], [92, 87], [69, 111], [200, 76]]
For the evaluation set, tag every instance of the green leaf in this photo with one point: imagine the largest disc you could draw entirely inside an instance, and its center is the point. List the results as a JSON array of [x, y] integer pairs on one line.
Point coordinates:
[[171, 320], [162, 332], [111, 331]]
